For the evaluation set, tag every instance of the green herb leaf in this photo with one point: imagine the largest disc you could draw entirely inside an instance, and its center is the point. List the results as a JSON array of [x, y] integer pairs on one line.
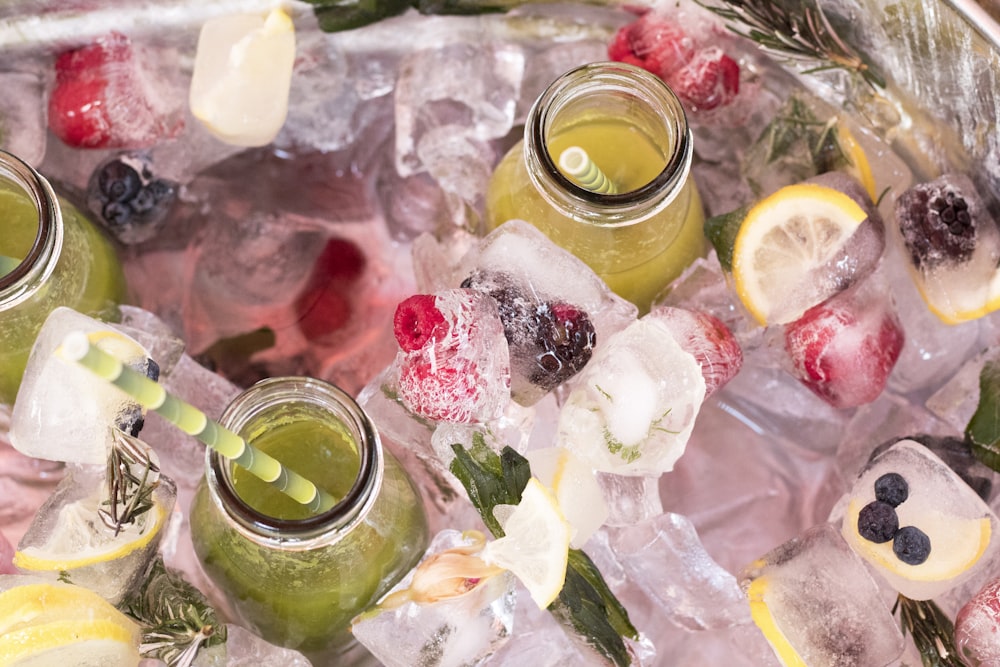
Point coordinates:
[[983, 430], [932, 631], [176, 618], [721, 231], [586, 603]]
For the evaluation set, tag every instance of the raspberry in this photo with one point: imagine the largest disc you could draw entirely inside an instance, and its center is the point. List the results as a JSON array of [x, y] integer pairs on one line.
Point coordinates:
[[324, 304], [842, 357], [418, 322], [441, 391], [708, 340], [709, 80], [652, 43]]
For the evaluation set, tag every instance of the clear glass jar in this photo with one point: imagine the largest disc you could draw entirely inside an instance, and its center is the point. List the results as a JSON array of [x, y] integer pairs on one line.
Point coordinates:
[[52, 256], [295, 579], [633, 127]]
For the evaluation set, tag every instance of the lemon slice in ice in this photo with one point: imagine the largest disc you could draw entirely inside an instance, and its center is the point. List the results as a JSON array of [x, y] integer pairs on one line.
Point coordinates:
[[575, 487], [76, 541], [783, 243], [242, 76], [81, 643], [857, 160], [761, 615], [535, 545], [38, 603]]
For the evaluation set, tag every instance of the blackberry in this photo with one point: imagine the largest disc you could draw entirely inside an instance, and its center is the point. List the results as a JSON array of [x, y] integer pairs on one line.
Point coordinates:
[[911, 545], [938, 221], [565, 337], [891, 489], [877, 522]]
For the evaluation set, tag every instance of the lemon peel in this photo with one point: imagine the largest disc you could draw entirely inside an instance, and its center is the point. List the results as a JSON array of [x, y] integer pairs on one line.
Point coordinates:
[[761, 615]]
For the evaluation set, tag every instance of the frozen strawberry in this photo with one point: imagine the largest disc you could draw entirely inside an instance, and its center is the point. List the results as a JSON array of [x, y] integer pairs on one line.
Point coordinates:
[[709, 80], [653, 43], [104, 98], [324, 304], [454, 364], [706, 338], [844, 349]]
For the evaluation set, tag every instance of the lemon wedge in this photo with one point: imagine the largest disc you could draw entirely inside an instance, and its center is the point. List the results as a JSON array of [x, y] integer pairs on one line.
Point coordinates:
[[785, 244], [761, 615], [535, 545], [242, 76], [577, 490]]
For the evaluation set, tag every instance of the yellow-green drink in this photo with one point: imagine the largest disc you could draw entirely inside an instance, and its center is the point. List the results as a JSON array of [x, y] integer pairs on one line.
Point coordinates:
[[55, 257], [294, 578], [633, 128]]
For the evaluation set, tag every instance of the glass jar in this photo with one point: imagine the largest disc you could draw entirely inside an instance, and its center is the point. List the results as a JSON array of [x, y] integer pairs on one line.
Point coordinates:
[[295, 579], [634, 129], [50, 256]]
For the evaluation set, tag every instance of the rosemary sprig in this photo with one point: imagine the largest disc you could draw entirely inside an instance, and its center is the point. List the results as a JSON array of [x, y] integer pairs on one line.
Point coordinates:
[[132, 476], [933, 633], [176, 618], [798, 30]]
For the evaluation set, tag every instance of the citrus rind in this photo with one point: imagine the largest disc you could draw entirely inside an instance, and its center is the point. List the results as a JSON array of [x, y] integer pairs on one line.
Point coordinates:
[[761, 615]]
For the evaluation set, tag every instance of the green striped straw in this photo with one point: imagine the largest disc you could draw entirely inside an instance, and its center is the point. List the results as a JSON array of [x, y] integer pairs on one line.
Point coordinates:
[[77, 347], [576, 164]]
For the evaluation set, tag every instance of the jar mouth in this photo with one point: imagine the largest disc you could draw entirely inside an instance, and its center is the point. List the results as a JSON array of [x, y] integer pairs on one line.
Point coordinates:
[[626, 81], [19, 173], [269, 394]]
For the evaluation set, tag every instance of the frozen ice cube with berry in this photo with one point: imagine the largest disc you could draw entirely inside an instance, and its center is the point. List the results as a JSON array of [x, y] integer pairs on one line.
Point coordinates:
[[977, 627], [917, 523], [816, 603]]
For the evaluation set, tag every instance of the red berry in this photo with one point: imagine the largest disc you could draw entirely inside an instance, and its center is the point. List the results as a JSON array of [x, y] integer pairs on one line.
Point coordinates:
[[842, 356], [417, 322], [710, 80], [708, 340], [653, 43], [324, 304], [446, 391], [977, 626]]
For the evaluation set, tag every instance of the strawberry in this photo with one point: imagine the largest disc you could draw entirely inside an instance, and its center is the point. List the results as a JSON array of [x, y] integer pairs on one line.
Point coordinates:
[[652, 43], [977, 626], [708, 340], [843, 356], [709, 80]]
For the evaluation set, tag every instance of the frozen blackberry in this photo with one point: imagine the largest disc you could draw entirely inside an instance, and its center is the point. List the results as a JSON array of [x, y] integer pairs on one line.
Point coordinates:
[[565, 337], [878, 522], [891, 489], [911, 545], [938, 221]]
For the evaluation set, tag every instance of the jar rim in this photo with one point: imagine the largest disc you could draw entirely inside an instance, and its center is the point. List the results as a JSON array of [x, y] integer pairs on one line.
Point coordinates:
[[272, 392], [18, 283], [641, 83]]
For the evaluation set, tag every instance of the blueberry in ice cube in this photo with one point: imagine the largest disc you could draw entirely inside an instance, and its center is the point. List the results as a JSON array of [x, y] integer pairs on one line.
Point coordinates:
[[878, 522], [911, 545], [891, 488]]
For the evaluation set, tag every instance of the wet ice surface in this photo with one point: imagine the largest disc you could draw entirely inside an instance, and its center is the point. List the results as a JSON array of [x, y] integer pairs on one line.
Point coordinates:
[[766, 458]]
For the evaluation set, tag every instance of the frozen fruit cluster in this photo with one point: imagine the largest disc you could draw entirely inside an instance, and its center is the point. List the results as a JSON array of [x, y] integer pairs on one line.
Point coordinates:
[[453, 362], [702, 75], [550, 340], [128, 200], [104, 97], [878, 522], [708, 340]]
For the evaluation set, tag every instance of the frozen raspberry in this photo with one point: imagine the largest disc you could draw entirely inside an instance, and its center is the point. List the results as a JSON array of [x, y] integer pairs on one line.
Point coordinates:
[[565, 338], [444, 392], [711, 79], [937, 221], [705, 337], [844, 357], [653, 43], [324, 305], [417, 322], [977, 626]]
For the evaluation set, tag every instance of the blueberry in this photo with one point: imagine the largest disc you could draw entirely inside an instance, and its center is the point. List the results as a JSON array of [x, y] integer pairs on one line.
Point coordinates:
[[911, 545], [118, 182], [162, 191], [877, 522], [152, 370], [116, 213], [143, 202], [891, 488]]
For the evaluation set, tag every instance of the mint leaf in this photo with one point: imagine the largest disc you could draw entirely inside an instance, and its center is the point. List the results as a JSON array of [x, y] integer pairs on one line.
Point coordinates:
[[722, 230], [585, 604], [983, 430]]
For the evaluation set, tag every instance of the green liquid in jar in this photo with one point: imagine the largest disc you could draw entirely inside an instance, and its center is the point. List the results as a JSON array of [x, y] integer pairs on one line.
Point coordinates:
[[305, 598], [87, 278], [636, 260]]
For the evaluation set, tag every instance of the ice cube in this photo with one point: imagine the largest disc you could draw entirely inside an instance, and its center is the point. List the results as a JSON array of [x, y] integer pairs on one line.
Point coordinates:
[[977, 627], [630, 499], [918, 523], [813, 599], [708, 340], [63, 412], [6, 554], [634, 406], [22, 118], [580, 496], [245, 649], [555, 309]]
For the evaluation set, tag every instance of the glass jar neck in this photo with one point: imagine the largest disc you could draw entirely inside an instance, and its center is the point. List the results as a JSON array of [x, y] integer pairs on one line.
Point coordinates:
[[617, 92], [37, 266], [265, 399]]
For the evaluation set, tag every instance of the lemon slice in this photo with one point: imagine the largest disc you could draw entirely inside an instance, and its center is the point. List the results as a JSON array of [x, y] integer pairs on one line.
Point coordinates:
[[242, 76], [760, 613], [44, 602], [78, 541], [786, 243], [535, 545], [577, 490], [80, 643], [858, 165], [961, 544]]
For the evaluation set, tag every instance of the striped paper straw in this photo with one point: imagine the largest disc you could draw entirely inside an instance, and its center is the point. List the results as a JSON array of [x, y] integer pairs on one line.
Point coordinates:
[[576, 164], [77, 347]]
